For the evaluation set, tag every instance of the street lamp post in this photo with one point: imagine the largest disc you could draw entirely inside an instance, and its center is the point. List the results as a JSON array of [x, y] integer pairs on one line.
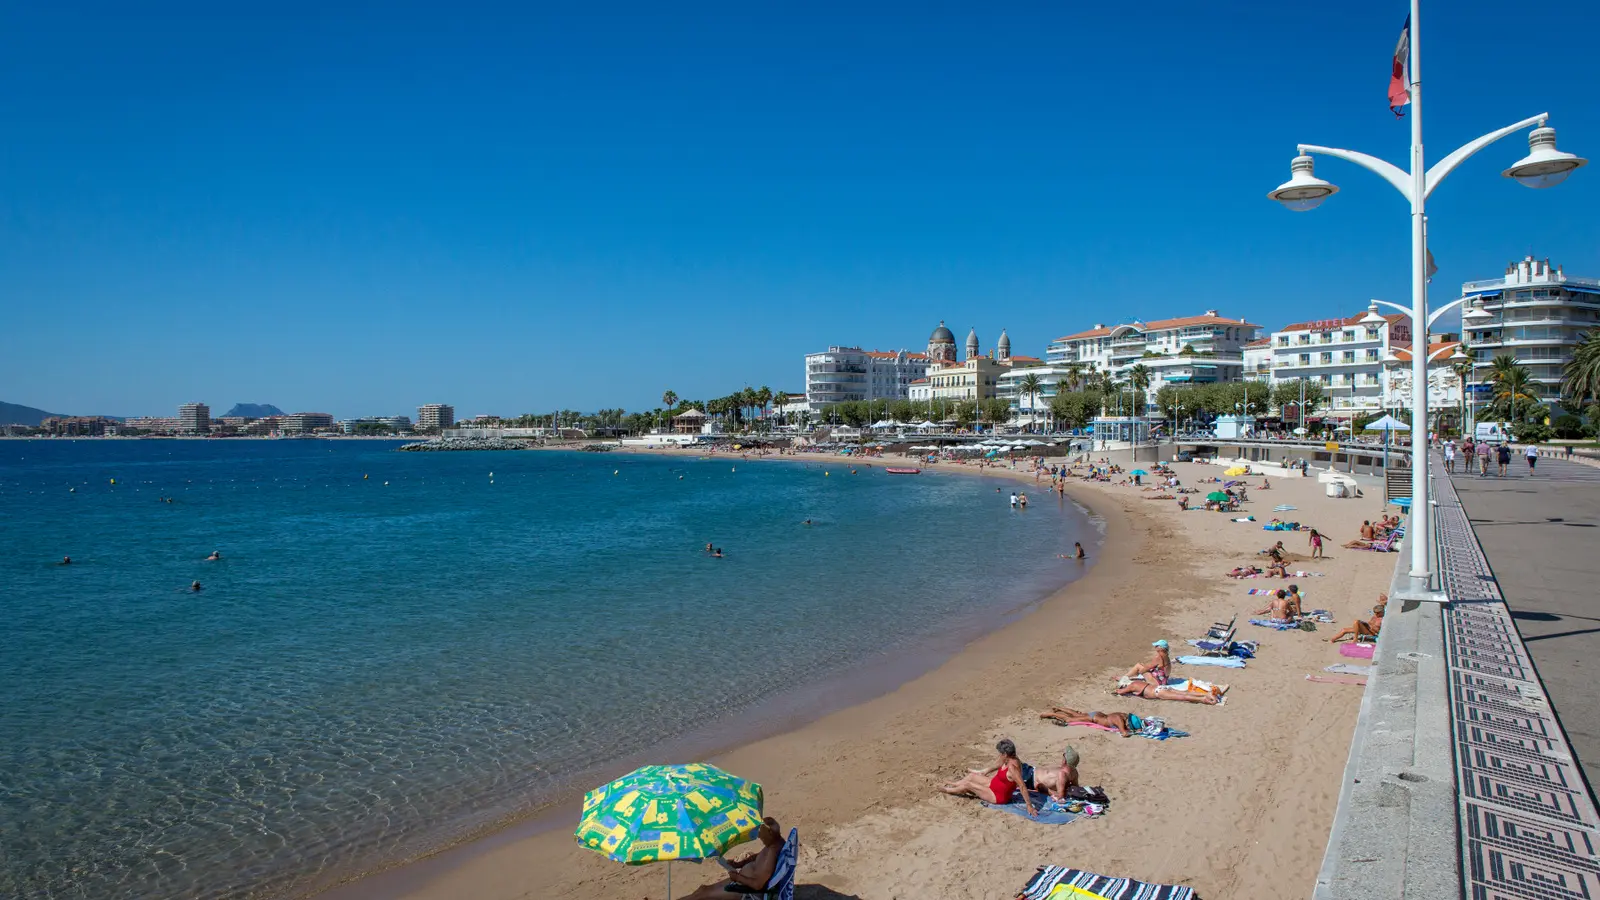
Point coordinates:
[[1544, 166]]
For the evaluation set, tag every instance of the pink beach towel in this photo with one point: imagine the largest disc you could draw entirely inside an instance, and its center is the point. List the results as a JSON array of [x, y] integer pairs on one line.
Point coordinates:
[[1359, 651], [1093, 725]]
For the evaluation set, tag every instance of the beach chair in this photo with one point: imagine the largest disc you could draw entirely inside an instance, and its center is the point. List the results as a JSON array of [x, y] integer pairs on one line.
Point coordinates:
[[1222, 631]]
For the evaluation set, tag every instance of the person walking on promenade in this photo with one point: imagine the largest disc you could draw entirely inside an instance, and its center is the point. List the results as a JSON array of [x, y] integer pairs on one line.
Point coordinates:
[[1502, 458], [1483, 459], [1450, 457], [1532, 454]]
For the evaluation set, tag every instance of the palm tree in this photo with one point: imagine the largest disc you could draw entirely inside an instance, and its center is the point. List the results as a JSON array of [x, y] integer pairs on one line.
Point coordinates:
[[764, 397], [1513, 386], [669, 400], [1139, 380], [781, 399], [1030, 385], [1073, 377], [1580, 378]]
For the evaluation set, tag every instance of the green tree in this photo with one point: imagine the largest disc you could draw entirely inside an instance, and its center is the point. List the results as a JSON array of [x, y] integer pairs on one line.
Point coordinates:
[[1514, 394], [669, 399], [1580, 378], [781, 399], [1029, 387]]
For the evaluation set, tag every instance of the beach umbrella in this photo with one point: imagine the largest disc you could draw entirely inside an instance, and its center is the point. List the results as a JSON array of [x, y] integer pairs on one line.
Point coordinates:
[[1138, 472], [1236, 470], [663, 813], [1218, 497], [1387, 423]]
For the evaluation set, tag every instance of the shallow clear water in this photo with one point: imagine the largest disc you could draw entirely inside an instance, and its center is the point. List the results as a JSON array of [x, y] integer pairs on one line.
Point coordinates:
[[398, 648]]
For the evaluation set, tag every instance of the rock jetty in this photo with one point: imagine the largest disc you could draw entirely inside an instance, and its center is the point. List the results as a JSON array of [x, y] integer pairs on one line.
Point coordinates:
[[467, 444]]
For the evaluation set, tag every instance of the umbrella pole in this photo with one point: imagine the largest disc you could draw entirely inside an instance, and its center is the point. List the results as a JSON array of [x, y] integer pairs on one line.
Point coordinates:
[[669, 879]]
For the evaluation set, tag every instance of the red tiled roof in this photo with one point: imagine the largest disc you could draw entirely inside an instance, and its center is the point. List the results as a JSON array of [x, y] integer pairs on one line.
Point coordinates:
[[1404, 353], [891, 354], [1394, 319], [1260, 342], [919, 381], [1163, 324]]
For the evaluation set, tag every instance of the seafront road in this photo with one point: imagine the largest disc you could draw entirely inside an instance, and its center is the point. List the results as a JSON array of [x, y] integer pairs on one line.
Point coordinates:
[[1541, 535]]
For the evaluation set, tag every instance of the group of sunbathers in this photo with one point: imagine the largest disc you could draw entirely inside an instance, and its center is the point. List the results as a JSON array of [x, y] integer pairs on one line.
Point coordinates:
[[1001, 782], [1373, 533], [1152, 680], [1285, 606]]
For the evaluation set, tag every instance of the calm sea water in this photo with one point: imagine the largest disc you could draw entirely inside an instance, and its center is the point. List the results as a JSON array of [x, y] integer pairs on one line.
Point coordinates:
[[397, 649]]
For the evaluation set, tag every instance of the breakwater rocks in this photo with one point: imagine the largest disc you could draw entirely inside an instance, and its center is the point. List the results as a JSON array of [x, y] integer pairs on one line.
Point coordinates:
[[467, 444]]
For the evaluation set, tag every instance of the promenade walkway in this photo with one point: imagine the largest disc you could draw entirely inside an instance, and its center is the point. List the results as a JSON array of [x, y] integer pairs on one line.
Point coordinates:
[[1461, 780], [1541, 535]]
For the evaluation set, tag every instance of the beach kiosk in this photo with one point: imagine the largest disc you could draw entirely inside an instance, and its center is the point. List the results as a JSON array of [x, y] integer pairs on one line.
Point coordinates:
[[1233, 428], [1121, 429]]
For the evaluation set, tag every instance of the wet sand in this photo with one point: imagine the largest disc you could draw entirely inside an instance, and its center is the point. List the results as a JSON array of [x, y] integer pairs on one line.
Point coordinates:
[[1239, 809]]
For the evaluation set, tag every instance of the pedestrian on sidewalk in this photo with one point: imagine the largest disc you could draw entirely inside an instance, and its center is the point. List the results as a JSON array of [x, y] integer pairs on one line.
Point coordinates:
[[1502, 458], [1450, 457], [1483, 459], [1532, 453]]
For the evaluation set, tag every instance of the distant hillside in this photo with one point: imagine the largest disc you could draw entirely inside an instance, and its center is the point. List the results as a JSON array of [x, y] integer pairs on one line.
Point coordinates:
[[13, 414], [253, 410]]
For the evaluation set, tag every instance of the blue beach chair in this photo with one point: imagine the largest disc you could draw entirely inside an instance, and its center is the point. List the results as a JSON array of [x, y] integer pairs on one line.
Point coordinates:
[[783, 873]]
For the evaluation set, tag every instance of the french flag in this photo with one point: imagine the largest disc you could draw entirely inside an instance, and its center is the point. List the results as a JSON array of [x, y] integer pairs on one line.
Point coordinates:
[[1400, 74]]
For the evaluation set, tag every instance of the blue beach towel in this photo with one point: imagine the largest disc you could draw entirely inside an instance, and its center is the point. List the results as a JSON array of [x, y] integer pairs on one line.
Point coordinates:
[[1275, 626], [1226, 662], [1050, 811]]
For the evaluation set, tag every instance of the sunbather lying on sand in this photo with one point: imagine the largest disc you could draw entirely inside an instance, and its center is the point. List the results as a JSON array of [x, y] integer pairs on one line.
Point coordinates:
[[1125, 723], [1244, 572], [1155, 692], [1369, 628]]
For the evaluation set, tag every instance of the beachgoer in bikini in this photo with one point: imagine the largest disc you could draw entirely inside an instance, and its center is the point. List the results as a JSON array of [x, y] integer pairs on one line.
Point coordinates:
[[995, 785], [1125, 724], [1296, 609], [1153, 692], [1278, 609], [754, 874], [1244, 572], [1156, 668], [1369, 628], [1316, 544], [1077, 550]]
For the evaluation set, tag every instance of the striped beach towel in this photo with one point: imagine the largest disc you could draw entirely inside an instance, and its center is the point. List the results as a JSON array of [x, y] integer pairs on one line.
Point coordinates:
[[1284, 507], [1041, 885]]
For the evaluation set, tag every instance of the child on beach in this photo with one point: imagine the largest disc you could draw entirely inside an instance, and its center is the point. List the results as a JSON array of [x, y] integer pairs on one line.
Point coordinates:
[[1316, 544]]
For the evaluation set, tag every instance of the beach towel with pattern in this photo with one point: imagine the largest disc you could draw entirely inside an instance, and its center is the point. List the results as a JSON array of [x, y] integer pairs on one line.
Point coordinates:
[[1043, 885], [1047, 810], [1274, 624]]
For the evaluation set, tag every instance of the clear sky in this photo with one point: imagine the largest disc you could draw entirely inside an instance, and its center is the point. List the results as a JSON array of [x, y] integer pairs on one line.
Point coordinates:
[[360, 207]]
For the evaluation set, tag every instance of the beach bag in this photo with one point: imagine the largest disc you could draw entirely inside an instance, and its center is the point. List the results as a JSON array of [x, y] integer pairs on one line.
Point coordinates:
[[1089, 794]]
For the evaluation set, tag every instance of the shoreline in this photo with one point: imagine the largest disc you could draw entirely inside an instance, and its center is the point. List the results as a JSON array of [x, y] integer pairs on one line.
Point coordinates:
[[789, 711], [1240, 808]]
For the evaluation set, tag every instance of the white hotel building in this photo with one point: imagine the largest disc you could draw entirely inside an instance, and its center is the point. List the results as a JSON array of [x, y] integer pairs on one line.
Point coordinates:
[[842, 374], [1345, 355], [1535, 314], [1187, 350]]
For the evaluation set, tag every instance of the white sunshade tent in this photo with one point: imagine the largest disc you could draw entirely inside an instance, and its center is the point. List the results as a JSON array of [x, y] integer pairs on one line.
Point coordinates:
[[1387, 423]]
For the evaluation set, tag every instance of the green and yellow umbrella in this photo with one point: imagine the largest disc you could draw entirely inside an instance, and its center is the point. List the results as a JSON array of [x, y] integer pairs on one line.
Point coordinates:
[[663, 813]]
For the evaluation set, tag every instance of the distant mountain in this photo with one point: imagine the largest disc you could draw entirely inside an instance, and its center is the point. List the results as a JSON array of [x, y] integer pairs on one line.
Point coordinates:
[[13, 414], [253, 410]]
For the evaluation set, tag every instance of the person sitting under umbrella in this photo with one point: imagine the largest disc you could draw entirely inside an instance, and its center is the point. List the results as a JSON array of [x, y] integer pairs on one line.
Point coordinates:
[[755, 874]]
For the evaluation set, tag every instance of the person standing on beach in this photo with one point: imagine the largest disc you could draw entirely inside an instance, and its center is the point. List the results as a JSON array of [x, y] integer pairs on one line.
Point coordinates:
[[1316, 544]]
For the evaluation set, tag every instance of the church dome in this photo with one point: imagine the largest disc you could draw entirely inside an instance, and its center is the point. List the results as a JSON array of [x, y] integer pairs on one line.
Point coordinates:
[[942, 335], [1005, 340]]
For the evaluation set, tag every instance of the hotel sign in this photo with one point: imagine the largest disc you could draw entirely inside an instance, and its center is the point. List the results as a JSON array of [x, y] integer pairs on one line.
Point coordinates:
[[1325, 325]]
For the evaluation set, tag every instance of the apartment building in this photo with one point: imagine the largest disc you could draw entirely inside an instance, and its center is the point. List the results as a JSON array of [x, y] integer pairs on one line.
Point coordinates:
[[1534, 313]]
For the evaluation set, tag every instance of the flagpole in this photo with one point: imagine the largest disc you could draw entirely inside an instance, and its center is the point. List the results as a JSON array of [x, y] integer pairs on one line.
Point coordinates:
[[1418, 530]]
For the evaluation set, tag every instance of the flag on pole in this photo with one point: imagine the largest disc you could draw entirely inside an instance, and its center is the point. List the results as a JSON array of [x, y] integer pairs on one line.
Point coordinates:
[[1400, 73]]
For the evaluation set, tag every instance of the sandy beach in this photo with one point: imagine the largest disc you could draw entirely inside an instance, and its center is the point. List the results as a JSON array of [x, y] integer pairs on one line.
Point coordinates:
[[1241, 808]]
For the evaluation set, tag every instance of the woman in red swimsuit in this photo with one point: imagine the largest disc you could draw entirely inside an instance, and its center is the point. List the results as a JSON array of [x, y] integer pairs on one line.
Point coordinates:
[[995, 785]]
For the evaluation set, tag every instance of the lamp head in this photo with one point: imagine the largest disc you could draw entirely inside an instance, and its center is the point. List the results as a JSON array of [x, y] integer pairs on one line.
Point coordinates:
[[1373, 317], [1303, 190], [1476, 313], [1456, 356], [1544, 166]]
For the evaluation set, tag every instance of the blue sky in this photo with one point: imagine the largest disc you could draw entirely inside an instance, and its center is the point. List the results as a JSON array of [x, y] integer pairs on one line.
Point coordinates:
[[509, 208]]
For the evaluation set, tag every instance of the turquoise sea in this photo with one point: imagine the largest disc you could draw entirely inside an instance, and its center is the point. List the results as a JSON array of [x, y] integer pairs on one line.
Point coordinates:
[[398, 650]]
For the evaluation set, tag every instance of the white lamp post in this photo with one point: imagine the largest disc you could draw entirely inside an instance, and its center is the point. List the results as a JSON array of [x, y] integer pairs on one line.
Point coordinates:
[[1542, 167]]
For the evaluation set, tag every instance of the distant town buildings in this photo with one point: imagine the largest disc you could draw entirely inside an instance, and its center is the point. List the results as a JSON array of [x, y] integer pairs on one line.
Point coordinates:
[[79, 426], [1187, 350], [395, 423], [435, 416], [194, 418], [843, 374], [1533, 313], [152, 424], [304, 422]]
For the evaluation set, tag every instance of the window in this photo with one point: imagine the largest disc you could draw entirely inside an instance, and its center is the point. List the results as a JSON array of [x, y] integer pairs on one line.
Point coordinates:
[[1305, 338], [1349, 356], [1283, 340], [1327, 358], [1327, 379], [1349, 335], [1372, 332], [1305, 359], [1372, 353]]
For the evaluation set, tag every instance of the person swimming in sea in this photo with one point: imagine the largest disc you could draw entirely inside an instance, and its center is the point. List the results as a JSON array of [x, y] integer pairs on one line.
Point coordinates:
[[709, 548], [1077, 550], [194, 587], [806, 522], [65, 561], [717, 553], [215, 555]]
